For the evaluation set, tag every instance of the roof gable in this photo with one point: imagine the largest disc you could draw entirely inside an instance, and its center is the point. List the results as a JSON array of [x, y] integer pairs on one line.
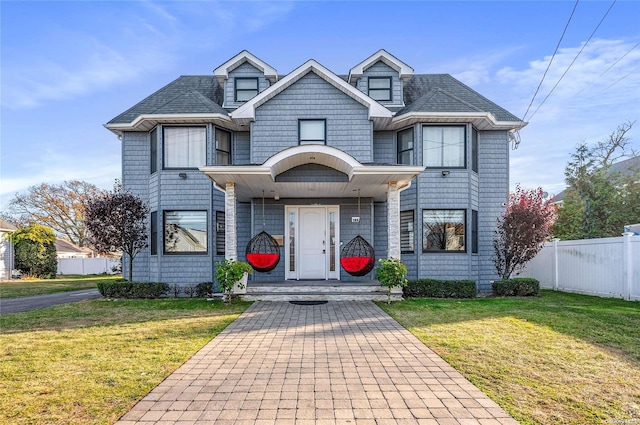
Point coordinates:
[[222, 72], [378, 113], [404, 71]]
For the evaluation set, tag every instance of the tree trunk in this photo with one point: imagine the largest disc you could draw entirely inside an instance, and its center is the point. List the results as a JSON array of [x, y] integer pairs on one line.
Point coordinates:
[[130, 268]]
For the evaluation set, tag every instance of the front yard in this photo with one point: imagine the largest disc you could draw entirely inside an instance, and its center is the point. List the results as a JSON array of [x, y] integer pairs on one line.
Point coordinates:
[[555, 359], [88, 362], [29, 287]]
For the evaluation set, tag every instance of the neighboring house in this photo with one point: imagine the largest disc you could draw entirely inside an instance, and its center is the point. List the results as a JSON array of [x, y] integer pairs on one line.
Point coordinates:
[[418, 164], [66, 249], [626, 168], [7, 258]]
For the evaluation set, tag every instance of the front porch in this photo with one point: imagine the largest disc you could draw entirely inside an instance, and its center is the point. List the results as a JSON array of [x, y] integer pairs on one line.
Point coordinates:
[[318, 290]]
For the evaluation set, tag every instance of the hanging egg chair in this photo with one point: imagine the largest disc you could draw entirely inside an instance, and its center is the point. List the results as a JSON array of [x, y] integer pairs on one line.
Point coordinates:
[[357, 257], [262, 252]]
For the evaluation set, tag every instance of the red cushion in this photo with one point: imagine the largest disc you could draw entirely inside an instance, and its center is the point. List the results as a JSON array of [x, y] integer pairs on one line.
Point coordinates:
[[354, 264], [262, 261]]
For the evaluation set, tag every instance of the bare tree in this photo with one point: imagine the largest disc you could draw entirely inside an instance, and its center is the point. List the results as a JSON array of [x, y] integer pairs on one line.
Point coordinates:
[[59, 207]]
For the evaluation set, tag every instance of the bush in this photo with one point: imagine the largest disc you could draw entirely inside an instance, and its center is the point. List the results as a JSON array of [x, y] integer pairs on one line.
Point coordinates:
[[204, 290], [516, 287], [126, 289], [434, 288], [35, 251]]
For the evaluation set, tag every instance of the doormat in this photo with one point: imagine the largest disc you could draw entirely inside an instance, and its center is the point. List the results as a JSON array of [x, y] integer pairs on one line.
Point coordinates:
[[308, 302]]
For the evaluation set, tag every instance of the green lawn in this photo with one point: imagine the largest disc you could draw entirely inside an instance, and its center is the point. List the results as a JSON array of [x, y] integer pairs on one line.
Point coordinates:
[[28, 287], [555, 359], [89, 362]]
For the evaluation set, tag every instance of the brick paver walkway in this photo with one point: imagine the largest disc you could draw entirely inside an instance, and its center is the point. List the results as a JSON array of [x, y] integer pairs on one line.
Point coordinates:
[[337, 363]]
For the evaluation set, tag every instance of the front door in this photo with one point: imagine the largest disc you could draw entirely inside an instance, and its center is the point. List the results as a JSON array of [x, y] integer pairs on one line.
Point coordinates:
[[313, 243], [311, 249]]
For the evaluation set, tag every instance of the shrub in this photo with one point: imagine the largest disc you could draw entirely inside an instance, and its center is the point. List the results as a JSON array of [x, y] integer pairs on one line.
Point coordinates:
[[434, 288], [125, 289], [391, 273], [204, 290], [516, 287], [35, 251]]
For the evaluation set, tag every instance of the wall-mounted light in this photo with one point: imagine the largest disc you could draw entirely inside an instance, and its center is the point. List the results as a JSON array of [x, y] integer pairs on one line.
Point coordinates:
[[182, 175], [445, 173]]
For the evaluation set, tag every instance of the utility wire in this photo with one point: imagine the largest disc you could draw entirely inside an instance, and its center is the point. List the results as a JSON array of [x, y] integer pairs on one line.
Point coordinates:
[[607, 70], [575, 58], [551, 61]]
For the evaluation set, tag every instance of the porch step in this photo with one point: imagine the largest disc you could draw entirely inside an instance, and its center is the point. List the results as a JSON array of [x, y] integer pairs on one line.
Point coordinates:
[[325, 290]]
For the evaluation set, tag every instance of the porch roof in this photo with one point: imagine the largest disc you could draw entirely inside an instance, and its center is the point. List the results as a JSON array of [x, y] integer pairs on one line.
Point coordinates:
[[371, 180]]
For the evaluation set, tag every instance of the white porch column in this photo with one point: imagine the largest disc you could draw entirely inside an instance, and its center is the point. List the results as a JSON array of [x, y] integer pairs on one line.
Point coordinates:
[[393, 220], [230, 234]]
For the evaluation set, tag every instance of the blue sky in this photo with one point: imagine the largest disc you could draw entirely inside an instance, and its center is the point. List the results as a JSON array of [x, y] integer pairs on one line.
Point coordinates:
[[69, 67]]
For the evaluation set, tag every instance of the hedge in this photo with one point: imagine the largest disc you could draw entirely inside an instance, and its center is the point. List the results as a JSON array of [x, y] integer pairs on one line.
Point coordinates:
[[126, 289], [516, 287], [433, 288]]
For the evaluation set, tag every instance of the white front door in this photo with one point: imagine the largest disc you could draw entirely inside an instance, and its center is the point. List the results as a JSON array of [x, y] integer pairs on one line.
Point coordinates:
[[311, 236], [313, 249]]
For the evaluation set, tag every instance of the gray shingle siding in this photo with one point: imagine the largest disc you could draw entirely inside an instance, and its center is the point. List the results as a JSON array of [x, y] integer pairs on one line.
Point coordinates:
[[276, 124], [493, 151], [384, 147], [242, 148]]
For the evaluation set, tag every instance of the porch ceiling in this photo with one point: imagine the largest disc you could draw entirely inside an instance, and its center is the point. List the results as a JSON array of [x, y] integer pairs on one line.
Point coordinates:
[[251, 181]]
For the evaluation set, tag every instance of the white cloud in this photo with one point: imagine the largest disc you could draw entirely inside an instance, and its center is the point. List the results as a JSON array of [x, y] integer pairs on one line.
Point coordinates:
[[587, 105]]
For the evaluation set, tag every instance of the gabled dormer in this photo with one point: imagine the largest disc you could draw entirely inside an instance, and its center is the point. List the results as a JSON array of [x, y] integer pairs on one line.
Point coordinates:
[[243, 77], [381, 76]]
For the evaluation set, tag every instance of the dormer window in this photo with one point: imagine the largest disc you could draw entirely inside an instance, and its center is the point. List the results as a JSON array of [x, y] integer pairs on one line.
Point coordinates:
[[245, 88], [380, 88]]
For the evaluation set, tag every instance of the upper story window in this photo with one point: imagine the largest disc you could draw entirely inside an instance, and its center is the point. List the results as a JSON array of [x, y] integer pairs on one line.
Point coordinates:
[[312, 132], [245, 88], [223, 147], [185, 147], [153, 150], [474, 150], [405, 146], [444, 146], [380, 88]]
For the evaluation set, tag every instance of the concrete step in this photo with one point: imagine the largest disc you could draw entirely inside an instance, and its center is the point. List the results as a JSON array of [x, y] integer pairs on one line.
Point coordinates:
[[358, 296], [323, 290]]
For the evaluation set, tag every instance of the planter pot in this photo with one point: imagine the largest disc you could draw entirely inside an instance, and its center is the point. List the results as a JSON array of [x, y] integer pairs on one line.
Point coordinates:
[[242, 282]]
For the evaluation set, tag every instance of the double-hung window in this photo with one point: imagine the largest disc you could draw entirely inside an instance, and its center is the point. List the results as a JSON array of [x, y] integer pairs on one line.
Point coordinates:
[[185, 232], [474, 150], [312, 132], [153, 246], [444, 146], [443, 230], [380, 88], [220, 233], [245, 88], [223, 147], [405, 147], [185, 147]]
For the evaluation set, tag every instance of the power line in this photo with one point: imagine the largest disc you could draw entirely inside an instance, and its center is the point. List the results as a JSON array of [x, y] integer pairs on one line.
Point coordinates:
[[611, 66], [551, 61], [575, 58]]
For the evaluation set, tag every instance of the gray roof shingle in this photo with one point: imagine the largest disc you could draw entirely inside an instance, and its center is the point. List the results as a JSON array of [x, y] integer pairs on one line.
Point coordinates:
[[187, 94], [423, 93]]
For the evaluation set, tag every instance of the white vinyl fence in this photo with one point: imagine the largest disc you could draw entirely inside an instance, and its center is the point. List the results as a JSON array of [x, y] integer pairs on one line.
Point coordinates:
[[607, 267], [87, 265]]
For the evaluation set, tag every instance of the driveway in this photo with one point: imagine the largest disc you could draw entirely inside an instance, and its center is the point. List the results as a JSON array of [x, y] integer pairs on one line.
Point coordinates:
[[337, 363], [16, 305]]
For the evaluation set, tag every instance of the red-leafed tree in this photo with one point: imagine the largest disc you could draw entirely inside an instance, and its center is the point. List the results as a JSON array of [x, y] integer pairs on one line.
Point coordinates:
[[522, 230], [117, 221]]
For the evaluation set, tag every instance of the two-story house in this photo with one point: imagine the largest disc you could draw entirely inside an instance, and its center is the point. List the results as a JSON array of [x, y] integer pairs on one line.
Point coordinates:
[[417, 164]]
